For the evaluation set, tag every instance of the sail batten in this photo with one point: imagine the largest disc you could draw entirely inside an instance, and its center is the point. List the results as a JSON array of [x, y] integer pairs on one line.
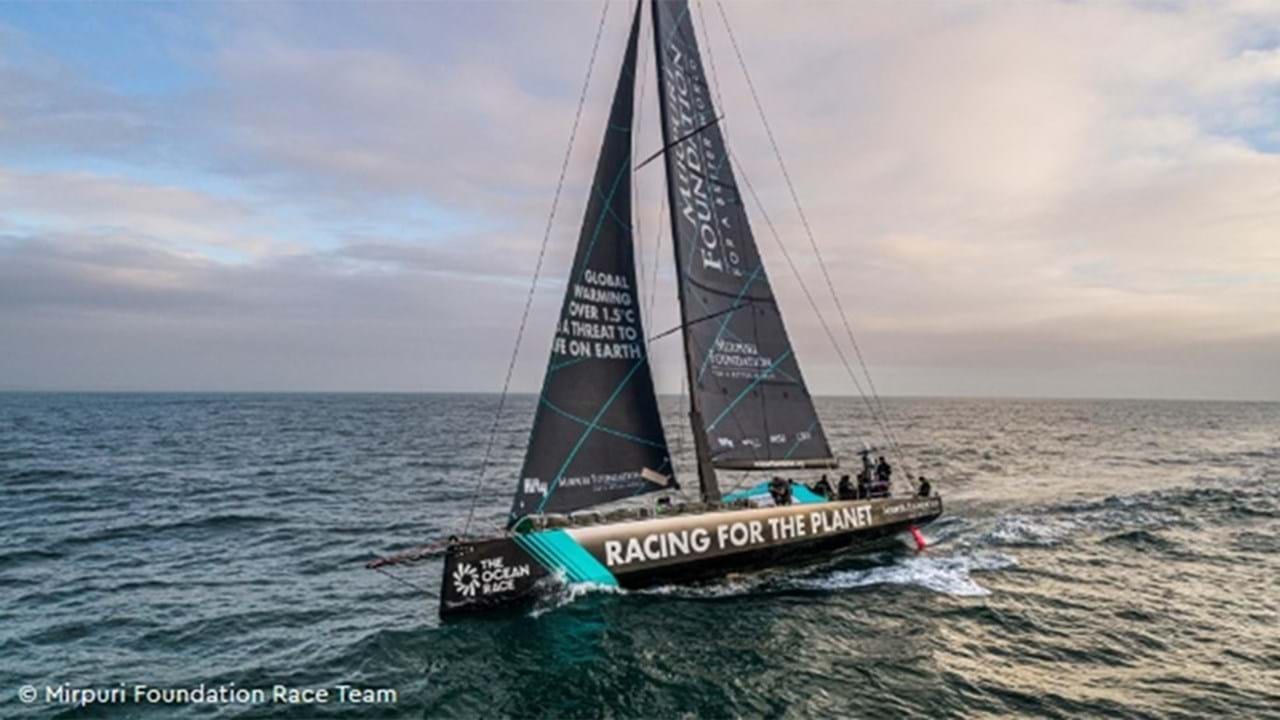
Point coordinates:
[[746, 384], [597, 435]]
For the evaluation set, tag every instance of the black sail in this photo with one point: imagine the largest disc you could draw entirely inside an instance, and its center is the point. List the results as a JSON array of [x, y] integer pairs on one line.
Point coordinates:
[[755, 408], [597, 435]]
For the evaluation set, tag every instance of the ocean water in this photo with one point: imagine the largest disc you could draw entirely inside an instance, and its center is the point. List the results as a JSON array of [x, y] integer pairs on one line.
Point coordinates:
[[1096, 559]]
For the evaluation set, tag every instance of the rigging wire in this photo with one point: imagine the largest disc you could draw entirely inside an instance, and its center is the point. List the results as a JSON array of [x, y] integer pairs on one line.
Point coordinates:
[[657, 249], [804, 219], [399, 579], [637, 235], [813, 303], [537, 272], [661, 222], [878, 411], [764, 214]]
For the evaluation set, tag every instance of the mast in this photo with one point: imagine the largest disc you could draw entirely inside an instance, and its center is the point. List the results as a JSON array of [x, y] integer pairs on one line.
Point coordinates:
[[707, 480]]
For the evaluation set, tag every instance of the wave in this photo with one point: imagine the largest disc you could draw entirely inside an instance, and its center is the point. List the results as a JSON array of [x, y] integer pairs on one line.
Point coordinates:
[[31, 555], [224, 522], [1026, 530], [1140, 540], [39, 476], [1208, 503]]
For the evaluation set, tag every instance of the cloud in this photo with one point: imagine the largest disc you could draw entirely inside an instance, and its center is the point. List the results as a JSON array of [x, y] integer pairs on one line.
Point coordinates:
[[47, 107], [107, 313], [1058, 198], [164, 215]]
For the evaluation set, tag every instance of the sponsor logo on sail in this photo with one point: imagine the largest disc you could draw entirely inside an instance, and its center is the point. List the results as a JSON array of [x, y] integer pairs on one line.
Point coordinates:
[[697, 174]]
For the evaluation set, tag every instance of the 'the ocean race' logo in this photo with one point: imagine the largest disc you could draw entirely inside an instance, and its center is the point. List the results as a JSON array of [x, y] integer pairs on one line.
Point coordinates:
[[466, 579], [492, 575]]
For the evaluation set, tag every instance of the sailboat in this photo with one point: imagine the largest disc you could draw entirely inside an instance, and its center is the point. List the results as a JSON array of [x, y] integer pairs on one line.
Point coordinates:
[[597, 435]]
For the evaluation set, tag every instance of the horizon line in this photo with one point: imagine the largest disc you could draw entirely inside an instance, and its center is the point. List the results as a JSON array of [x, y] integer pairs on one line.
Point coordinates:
[[837, 396]]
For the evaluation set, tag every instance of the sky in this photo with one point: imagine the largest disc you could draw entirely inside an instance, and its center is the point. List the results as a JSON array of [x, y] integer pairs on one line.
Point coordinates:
[[1043, 199]]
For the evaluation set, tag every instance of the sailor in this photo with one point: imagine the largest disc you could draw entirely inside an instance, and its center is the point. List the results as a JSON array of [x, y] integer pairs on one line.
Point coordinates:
[[883, 473], [925, 487], [866, 473], [846, 490], [866, 460], [823, 487], [780, 489]]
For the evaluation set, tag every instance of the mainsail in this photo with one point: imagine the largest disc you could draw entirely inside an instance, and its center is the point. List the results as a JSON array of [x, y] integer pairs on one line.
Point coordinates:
[[746, 383], [597, 435]]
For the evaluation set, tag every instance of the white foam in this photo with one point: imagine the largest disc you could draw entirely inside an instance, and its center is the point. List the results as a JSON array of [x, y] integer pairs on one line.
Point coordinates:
[[949, 575], [565, 593], [725, 587], [1110, 515], [1024, 530]]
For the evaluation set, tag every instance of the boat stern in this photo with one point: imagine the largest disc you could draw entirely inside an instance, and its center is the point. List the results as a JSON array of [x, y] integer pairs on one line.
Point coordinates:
[[487, 574]]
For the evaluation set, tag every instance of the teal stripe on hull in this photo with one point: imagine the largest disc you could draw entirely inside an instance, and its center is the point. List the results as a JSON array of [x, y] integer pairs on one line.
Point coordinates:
[[556, 550]]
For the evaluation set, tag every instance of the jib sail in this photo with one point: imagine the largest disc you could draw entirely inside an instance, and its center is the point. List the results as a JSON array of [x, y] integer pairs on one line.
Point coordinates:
[[597, 435], [748, 390]]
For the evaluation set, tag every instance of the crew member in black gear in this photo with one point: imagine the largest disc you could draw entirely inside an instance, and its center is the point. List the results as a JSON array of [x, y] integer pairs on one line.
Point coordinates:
[[846, 490], [865, 474], [925, 487], [780, 489], [883, 473], [823, 487]]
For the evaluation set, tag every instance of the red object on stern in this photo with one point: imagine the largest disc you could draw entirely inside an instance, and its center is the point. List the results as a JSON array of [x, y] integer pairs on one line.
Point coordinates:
[[919, 536]]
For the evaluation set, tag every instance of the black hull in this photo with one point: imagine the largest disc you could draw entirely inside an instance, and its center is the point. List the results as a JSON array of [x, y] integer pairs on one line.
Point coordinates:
[[682, 548]]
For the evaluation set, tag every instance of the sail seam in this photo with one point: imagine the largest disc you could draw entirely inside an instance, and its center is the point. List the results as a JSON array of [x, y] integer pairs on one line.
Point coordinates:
[[595, 234], [796, 444], [602, 428], [626, 227], [565, 364], [590, 429]]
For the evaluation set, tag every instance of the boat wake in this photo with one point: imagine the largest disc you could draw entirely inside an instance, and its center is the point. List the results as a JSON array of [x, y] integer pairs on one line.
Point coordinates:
[[948, 574]]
